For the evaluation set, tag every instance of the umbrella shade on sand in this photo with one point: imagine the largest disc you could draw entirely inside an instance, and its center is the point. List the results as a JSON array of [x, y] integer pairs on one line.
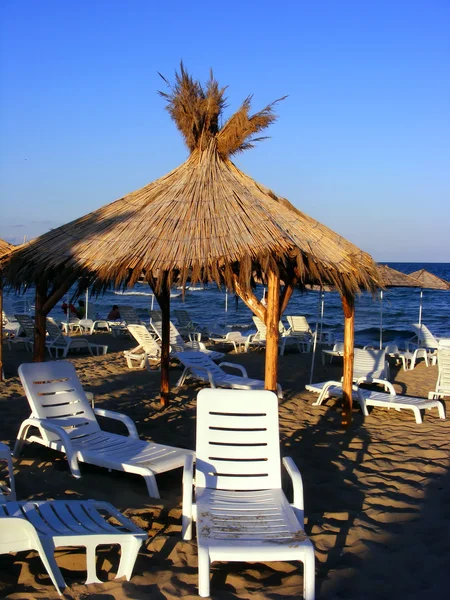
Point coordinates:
[[392, 278], [204, 221], [428, 281], [5, 248]]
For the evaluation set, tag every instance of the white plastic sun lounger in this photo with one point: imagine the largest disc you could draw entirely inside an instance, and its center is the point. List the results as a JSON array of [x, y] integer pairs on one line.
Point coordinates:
[[241, 511], [368, 398], [44, 525], [66, 422], [201, 367], [147, 349]]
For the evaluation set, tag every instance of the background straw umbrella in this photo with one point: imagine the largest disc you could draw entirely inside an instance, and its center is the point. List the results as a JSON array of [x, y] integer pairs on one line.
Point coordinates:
[[5, 248], [392, 278], [204, 221], [428, 281]]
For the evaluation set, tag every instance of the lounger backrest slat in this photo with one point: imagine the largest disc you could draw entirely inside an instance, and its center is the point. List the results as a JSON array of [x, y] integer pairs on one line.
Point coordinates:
[[176, 341], [193, 360], [370, 364], [298, 324], [53, 331], [443, 384], [262, 329], [143, 337], [237, 440], [54, 392], [129, 314], [26, 325], [425, 338]]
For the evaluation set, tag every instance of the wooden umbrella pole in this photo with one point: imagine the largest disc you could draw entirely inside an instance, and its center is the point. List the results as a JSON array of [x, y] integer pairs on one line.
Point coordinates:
[[272, 320], [250, 300], [164, 302], [348, 303], [286, 295], [39, 323]]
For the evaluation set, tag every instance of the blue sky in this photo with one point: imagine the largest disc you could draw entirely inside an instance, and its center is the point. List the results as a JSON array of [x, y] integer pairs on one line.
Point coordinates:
[[361, 144]]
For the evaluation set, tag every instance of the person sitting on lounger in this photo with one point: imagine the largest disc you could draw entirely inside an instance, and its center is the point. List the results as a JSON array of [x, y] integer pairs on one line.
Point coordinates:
[[114, 313]]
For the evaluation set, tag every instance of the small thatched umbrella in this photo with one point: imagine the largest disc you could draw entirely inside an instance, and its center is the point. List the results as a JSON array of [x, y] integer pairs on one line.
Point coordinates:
[[5, 249], [206, 221], [392, 278], [428, 281]]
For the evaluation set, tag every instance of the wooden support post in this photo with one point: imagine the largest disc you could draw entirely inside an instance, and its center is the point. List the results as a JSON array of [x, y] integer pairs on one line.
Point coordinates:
[[348, 303], [250, 300], [272, 320], [164, 302], [286, 295], [39, 323]]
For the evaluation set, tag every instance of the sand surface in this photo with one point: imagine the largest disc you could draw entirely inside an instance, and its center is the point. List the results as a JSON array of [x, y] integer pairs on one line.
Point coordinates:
[[377, 497]]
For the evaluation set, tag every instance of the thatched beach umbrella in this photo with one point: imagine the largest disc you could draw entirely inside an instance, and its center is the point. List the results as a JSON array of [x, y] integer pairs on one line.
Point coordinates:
[[392, 278], [5, 248], [428, 281], [205, 221]]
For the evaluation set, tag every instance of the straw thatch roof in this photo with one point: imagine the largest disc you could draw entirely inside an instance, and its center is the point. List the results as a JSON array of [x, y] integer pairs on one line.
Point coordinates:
[[205, 220], [430, 281], [393, 278], [5, 247]]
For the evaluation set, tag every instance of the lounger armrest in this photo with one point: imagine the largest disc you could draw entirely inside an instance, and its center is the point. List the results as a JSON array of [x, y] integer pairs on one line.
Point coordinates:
[[206, 370], [54, 427], [188, 482], [386, 384], [235, 366], [297, 486], [109, 414]]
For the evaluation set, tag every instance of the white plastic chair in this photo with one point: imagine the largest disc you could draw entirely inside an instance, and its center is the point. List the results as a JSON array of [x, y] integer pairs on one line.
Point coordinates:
[[25, 335], [57, 342], [199, 366], [336, 351], [147, 349], [241, 511], [66, 422], [47, 524]]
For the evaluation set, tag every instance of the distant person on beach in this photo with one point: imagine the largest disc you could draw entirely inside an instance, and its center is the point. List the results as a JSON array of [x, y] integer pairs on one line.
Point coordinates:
[[114, 313], [81, 310]]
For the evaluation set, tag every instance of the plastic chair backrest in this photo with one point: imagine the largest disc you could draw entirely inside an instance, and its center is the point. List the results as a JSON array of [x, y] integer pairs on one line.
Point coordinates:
[[54, 392], [238, 445]]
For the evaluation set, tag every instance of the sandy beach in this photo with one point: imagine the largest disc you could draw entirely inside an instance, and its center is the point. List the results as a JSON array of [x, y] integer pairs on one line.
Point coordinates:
[[377, 497]]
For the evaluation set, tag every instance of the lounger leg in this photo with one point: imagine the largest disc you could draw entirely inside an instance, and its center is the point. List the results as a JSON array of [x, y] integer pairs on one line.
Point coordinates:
[[21, 438], [128, 554], [417, 414], [203, 572], [47, 554], [91, 566], [309, 574], [152, 486], [441, 410]]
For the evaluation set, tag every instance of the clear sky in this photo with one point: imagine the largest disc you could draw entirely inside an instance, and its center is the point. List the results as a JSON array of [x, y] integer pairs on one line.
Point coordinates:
[[362, 142]]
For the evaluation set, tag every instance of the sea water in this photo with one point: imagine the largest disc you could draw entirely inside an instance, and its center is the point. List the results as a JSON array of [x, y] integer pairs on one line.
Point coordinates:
[[394, 314]]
